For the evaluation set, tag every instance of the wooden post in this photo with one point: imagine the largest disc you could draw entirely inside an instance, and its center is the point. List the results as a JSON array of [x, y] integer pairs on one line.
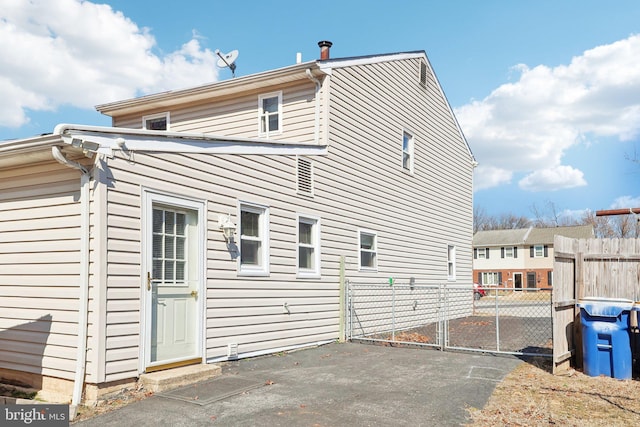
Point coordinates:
[[341, 332]]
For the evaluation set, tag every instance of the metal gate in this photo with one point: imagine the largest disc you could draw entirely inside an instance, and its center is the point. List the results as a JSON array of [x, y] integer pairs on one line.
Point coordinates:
[[451, 317]]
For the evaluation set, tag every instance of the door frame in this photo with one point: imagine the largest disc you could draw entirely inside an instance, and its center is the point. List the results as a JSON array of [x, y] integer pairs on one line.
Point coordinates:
[[514, 281], [148, 198]]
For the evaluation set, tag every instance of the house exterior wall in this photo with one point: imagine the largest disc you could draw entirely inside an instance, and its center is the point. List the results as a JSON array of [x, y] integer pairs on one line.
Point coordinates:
[[39, 269], [360, 184], [238, 116]]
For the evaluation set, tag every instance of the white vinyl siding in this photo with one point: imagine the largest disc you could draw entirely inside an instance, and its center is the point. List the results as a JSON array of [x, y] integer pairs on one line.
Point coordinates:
[[39, 269]]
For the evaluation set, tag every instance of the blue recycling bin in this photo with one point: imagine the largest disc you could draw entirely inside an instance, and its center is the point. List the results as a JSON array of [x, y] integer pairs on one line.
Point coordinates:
[[606, 343]]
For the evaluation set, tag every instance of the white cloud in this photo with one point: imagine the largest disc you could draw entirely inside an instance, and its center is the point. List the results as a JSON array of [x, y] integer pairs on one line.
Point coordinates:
[[624, 202], [528, 125], [73, 52], [557, 178], [488, 176]]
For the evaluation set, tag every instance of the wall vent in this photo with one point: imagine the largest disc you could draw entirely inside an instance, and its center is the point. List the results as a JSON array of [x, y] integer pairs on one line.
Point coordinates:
[[232, 351], [305, 176], [423, 73]]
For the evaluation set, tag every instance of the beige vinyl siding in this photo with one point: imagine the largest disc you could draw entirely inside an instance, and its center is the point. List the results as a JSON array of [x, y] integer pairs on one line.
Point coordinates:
[[39, 269], [238, 116], [429, 209], [244, 310]]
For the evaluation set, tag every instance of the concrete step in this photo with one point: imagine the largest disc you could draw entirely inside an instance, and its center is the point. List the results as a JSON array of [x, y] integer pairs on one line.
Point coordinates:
[[178, 377]]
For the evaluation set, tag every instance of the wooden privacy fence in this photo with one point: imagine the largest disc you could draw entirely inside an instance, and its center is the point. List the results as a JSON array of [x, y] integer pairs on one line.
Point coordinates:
[[603, 268]]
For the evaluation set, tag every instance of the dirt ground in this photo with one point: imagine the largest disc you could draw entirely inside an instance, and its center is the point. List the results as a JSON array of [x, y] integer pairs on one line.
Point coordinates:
[[532, 396]]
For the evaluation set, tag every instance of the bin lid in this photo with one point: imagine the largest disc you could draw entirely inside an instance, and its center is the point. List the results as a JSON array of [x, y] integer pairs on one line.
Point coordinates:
[[605, 307]]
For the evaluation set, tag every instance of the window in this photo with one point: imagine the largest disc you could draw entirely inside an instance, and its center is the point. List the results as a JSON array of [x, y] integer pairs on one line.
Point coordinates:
[[308, 247], [509, 252], [407, 151], [254, 239], [156, 122], [538, 251], [368, 250], [481, 253], [270, 114], [170, 246], [451, 262], [491, 279]]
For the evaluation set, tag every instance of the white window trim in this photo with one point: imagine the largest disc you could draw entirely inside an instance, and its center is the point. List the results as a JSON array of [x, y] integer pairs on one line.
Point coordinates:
[[451, 250], [165, 116], [494, 275], [506, 252], [482, 251], [263, 210], [362, 231], [267, 134], [315, 272], [535, 251], [410, 151]]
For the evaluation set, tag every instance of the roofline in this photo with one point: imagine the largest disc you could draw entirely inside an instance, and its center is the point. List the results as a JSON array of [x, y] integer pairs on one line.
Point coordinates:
[[223, 87]]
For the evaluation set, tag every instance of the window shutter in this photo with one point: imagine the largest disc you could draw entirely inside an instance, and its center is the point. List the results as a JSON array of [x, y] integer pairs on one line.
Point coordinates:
[[502, 252], [531, 252], [500, 278], [305, 178], [549, 278], [480, 278], [487, 250], [546, 251], [475, 253], [515, 252]]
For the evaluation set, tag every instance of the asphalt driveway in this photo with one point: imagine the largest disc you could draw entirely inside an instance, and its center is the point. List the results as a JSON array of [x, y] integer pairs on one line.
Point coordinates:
[[331, 385]]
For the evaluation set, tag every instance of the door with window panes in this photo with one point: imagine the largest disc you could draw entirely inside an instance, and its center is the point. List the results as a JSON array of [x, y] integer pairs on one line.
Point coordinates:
[[173, 285]]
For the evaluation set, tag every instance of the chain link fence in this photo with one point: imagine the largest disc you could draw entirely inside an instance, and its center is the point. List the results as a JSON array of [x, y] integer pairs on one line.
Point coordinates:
[[504, 320]]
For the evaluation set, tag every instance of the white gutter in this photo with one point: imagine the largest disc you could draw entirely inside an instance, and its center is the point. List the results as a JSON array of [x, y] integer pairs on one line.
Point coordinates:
[[83, 311], [316, 125]]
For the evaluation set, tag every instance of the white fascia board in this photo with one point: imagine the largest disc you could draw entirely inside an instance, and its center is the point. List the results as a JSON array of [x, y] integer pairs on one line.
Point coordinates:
[[130, 140], [327, 66]]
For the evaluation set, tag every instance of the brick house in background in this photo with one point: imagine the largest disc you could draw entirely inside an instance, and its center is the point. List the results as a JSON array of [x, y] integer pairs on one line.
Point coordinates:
[[520, 258]]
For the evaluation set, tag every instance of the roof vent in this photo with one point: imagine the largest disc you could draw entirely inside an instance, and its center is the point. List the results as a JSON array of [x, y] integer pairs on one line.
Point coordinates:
[[324, 49]]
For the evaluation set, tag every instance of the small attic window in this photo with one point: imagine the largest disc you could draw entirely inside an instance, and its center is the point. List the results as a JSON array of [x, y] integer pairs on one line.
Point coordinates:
[[305, 176], [423, 73], [156, 122]]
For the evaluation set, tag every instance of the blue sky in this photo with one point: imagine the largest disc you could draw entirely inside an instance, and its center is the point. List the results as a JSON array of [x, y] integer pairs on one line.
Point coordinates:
[[547, 92]]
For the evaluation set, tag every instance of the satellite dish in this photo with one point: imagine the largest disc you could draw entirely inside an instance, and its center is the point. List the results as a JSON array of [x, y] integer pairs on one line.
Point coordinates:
[[228, 60]]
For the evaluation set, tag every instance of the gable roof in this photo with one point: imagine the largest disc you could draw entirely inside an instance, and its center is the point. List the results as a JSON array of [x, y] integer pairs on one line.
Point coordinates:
[[530, 236], [544, 236]]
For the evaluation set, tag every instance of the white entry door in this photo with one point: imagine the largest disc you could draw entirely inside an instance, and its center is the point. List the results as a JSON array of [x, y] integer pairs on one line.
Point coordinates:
[[173, 279]]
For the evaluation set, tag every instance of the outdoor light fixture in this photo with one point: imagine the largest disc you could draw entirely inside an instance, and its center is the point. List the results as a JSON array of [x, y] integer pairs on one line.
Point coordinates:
[[227, 227], [85, 146]]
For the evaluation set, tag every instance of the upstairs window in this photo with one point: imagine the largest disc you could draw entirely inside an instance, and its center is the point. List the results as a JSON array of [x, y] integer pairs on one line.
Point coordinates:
[[509, 252], [270, 114], [368, 251], [481, 253], [538, 251], [254, 243], [407, 151], [156, 122]]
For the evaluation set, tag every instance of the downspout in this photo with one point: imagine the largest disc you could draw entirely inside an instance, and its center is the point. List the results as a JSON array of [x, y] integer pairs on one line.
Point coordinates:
[[317, 112], [83, 311]]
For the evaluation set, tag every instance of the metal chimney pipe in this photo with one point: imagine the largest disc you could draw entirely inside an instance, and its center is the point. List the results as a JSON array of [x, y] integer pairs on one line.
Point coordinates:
[[324, 49]]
